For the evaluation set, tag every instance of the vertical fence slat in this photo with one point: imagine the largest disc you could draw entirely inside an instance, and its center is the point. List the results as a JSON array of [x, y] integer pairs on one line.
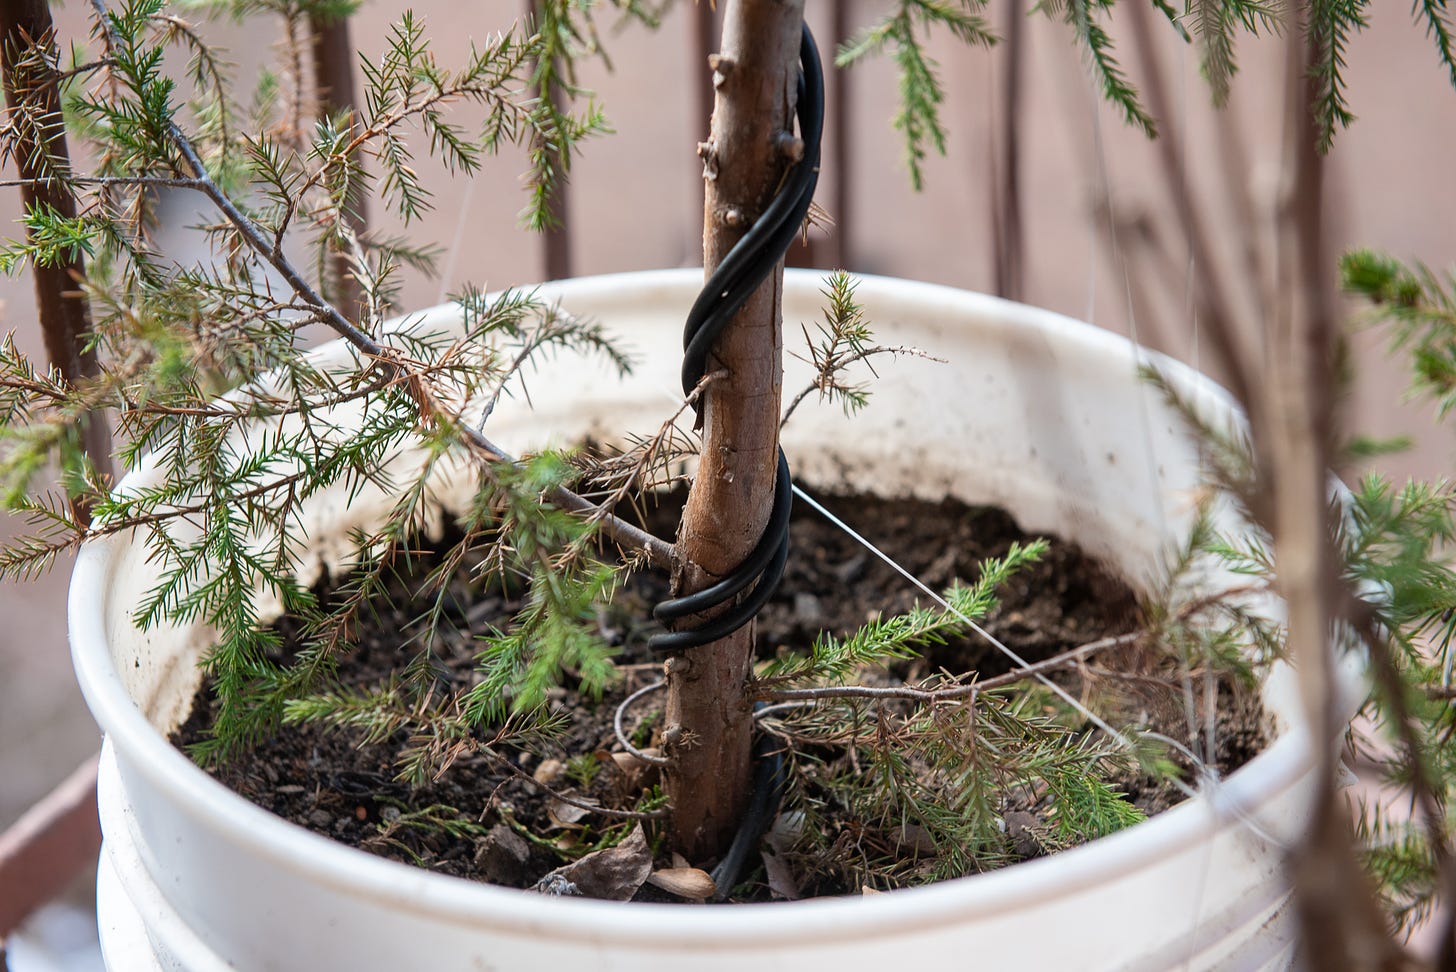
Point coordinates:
[[703, 28], [333, 77], [555, 239], [1006, 228], [704, 44], [841, 146], [41, 152]]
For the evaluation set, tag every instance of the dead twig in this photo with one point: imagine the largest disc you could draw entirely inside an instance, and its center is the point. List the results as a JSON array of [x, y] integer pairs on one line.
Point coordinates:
[[958, 691], [657, 551], [571, 801]]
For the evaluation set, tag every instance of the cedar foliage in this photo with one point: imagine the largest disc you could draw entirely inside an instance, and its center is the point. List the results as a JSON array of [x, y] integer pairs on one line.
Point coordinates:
[[193, 352]]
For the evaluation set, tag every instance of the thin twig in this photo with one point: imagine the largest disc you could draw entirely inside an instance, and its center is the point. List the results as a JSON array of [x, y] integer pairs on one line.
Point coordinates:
[[385, 123], [573, 801], [213, 69], [958, 691], [825, 384], [658, 552], [653, 445], [1423, 787], [105, 182]]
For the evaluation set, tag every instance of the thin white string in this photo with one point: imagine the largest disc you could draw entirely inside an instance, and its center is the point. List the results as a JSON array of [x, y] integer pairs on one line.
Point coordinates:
[[454, 254], [1207, 775], [1210, 726], [1212, 789], [1208, 740], [1099, 149], [990, 639]]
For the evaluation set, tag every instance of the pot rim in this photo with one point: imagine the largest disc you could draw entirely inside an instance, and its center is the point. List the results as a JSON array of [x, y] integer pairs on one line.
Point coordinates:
[[1229, 804]]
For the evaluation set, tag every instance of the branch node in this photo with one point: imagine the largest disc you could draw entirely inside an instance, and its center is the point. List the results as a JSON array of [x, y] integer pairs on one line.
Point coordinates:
[[790, 146], [722, 68], [708, 152]]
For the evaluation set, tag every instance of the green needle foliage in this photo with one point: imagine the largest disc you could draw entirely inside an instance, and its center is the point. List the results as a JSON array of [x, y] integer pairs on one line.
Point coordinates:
[[882, 796], [1397, 542], [568, 32], [843, 337], [1213, 24], [1398, 587], [898, 637], [1332, 23], [840, 341], [205, 366], [887, 792], [1397, 548], [232, 426], [1419, 307], [1439, 28], [921, 92], [1082, 16]]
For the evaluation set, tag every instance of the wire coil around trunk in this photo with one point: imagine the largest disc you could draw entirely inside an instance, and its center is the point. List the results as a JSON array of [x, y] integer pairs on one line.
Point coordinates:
[[747, 265]]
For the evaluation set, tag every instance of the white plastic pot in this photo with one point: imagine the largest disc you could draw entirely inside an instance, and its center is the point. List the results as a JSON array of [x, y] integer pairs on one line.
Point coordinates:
[[1037, 413]]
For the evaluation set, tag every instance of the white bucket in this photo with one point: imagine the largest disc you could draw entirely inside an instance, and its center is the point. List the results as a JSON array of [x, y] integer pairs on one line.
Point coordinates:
[[1034, 412]]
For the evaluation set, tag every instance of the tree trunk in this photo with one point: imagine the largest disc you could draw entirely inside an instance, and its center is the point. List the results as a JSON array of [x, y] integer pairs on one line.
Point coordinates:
[[709, 720], [42, 159]]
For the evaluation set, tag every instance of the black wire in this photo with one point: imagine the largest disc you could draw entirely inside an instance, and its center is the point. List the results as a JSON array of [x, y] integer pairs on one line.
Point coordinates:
[[768, 789], [747, 265]]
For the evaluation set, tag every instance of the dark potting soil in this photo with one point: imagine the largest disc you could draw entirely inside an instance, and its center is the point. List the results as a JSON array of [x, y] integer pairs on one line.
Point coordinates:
[[482, 822]]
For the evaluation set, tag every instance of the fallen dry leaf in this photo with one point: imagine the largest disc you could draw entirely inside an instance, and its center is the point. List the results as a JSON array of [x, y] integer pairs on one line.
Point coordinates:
[[549, 771], [626, 763], [565, 815], [613, 874], [915, 838], [504, 856], [631, 763], [685, 882], [782, 883]]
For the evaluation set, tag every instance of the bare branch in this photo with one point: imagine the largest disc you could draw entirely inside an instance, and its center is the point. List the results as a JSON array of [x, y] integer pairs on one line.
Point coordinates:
[[958, 691], [658, 552]]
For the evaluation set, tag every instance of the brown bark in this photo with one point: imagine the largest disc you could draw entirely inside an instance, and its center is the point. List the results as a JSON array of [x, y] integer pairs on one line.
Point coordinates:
[[708, 715], [41, 156], [333, 79], [1341, 922]]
